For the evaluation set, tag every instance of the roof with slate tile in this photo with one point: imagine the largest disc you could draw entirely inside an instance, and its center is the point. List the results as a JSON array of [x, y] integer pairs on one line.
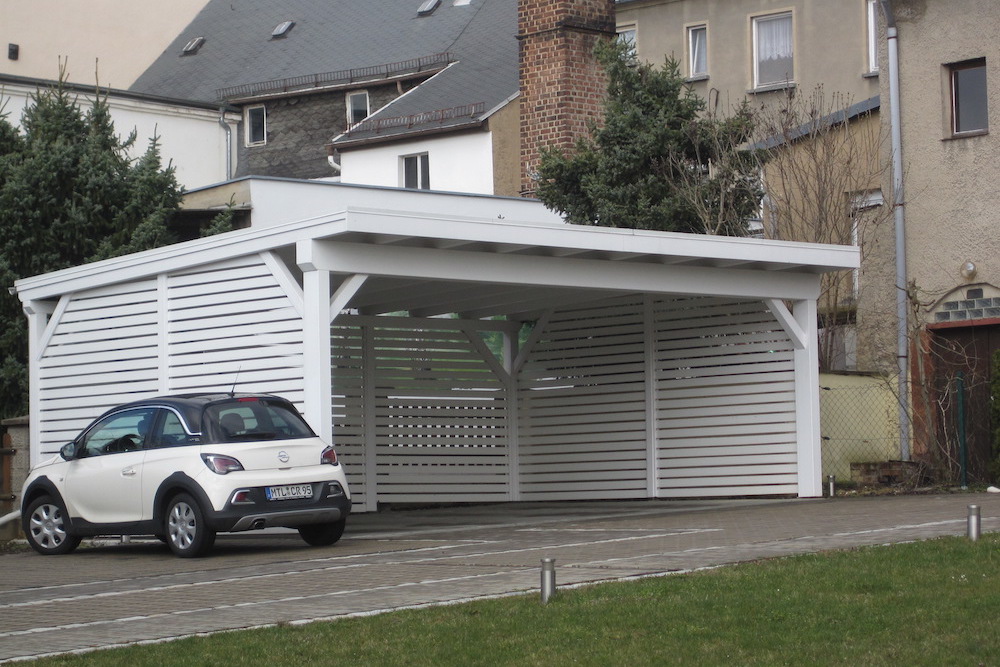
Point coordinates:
[[472, 46]]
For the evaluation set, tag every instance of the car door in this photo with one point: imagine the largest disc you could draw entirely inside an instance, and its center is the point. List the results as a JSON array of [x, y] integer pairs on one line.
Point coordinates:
[[103, 482]]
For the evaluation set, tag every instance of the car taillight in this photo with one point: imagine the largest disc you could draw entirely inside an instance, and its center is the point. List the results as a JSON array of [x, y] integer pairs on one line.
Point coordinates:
[[221, 464], [329, 455]]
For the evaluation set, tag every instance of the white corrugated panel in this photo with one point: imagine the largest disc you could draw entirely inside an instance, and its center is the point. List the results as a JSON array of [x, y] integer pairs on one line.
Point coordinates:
[[725, 409]]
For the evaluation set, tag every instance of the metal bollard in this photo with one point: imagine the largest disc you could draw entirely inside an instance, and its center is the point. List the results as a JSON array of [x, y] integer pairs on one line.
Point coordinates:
[[973, 523], [831, 480], [548, 578]]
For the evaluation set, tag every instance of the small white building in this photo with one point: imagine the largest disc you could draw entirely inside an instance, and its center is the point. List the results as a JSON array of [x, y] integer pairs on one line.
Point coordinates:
[[461, 348], [196, 138]]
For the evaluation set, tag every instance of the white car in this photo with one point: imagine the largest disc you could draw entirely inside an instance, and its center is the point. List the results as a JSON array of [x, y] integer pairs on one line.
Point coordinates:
[[184, 468]]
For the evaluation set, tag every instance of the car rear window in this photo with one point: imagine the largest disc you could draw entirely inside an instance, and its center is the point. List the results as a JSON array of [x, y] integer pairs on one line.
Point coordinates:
[[245, 419]]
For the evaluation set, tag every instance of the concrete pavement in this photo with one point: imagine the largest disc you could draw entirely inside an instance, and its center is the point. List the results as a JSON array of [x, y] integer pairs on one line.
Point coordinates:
[[109, 593]]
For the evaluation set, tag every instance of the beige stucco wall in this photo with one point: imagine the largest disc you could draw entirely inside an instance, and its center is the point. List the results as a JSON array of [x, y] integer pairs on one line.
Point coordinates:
[[505, 128], [952, 198], [121, 38], [830, 44]]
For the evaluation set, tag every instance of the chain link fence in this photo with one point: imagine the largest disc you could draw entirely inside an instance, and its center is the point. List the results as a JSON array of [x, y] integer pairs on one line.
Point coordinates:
[[859, 425]]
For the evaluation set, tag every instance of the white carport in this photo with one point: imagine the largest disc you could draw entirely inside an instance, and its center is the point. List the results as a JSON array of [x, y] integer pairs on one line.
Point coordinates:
[[649, 364]]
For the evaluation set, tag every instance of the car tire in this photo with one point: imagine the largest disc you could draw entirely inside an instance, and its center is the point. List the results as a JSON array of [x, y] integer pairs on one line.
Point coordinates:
[[323, 534], [46, 525], [186, 531]]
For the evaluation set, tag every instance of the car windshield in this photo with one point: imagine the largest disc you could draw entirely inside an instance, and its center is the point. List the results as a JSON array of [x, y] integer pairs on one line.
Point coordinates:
[[255, 419]]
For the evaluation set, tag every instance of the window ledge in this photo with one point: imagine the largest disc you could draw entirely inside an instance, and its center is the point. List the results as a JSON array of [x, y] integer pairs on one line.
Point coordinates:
[[870, 75], [696, 78], [772, 87], [966, 135]]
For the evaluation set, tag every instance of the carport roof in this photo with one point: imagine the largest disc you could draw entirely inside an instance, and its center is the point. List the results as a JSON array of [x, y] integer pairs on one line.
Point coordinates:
[[431, 264]]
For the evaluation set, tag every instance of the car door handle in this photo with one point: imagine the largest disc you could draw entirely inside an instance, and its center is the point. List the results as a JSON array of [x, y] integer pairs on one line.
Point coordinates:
[[128, 472]]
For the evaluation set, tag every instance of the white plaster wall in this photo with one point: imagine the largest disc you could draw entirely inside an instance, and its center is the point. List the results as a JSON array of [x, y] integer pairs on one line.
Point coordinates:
[[190, 138], [458, 163]]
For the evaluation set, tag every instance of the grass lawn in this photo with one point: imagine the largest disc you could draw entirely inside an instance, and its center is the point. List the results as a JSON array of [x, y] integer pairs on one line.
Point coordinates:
[[926, 603]]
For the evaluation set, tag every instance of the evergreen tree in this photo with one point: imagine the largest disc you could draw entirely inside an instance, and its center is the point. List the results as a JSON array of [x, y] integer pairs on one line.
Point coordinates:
[[69, 193], [652, 161]]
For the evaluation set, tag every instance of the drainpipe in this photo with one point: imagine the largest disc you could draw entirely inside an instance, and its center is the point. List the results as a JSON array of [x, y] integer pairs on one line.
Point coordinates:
[[229, 142], [902, 333]]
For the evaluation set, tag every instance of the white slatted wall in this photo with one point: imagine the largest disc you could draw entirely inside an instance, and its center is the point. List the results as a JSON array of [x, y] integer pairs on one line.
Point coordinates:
[[102, 352], [582, 406], [232, 325], [428, 406], [725, 400], [203, 330]]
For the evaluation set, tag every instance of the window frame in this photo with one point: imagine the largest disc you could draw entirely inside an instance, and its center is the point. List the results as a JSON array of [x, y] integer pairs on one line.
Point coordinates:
[[351, 120], [422, 162], [953, 70], [755, 22], [689, 31], [871, 23], [247, 125], [621, 33]]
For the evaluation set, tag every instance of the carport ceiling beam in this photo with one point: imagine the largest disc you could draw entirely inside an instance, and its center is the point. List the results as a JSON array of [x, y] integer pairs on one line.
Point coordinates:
[[423, 263]]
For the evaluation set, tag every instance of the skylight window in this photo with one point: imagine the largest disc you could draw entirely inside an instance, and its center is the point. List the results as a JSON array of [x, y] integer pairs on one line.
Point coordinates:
[[282, 29], [427, 7], [192, 47]]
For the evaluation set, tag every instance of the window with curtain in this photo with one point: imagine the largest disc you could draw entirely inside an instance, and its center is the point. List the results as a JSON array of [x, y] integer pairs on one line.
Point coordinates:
[[698, 51], [772, 44]]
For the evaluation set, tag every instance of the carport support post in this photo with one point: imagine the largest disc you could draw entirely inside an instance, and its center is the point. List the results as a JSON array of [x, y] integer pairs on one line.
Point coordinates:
[[806, 362], [38, 318], [317, 371]]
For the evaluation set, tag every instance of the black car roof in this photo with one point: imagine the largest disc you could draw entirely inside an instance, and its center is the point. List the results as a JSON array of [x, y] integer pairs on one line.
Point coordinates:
[[189, 406]]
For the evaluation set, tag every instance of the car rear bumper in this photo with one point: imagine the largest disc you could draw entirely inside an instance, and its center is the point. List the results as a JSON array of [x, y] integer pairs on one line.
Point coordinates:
[[258, 512]]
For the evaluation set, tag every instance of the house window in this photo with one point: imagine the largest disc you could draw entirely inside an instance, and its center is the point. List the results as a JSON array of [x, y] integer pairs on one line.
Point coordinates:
[[357, 107], [416, 173], [627, 36], [968, 97], [697, 39], [772, 50], [872, 36], [255, 124]]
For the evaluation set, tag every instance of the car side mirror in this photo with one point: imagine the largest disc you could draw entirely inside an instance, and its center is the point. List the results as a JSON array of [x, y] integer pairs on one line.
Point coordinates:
[[68, 451]]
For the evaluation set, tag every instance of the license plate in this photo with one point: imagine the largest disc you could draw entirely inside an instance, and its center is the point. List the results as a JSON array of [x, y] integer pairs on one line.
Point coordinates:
[[289, 492]]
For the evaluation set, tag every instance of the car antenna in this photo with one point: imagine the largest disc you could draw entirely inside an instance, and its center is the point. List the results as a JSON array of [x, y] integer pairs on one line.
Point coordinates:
[[232, 392]]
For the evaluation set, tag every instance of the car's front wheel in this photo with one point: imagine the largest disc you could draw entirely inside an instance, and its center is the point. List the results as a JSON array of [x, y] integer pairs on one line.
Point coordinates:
[[186, 530], [47, 527], [323, 534]]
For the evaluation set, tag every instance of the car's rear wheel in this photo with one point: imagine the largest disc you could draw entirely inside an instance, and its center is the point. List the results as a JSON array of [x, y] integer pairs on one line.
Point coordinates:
[[47, 527], [323, 534], [187, 533]]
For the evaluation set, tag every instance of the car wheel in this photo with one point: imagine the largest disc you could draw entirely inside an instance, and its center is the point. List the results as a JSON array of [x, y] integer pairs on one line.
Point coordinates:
[[47, 527], [187, 533], [323, 534]]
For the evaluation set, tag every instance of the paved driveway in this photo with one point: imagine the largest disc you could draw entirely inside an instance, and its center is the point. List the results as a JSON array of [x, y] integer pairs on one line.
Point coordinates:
[[111, 593]]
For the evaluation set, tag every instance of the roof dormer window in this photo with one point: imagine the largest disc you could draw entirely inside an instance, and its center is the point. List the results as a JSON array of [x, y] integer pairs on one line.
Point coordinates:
[[282, 29], [427, 7], [192, 47]]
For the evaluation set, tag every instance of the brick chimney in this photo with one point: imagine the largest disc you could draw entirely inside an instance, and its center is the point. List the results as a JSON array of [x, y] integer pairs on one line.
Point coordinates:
[[562, 86]]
